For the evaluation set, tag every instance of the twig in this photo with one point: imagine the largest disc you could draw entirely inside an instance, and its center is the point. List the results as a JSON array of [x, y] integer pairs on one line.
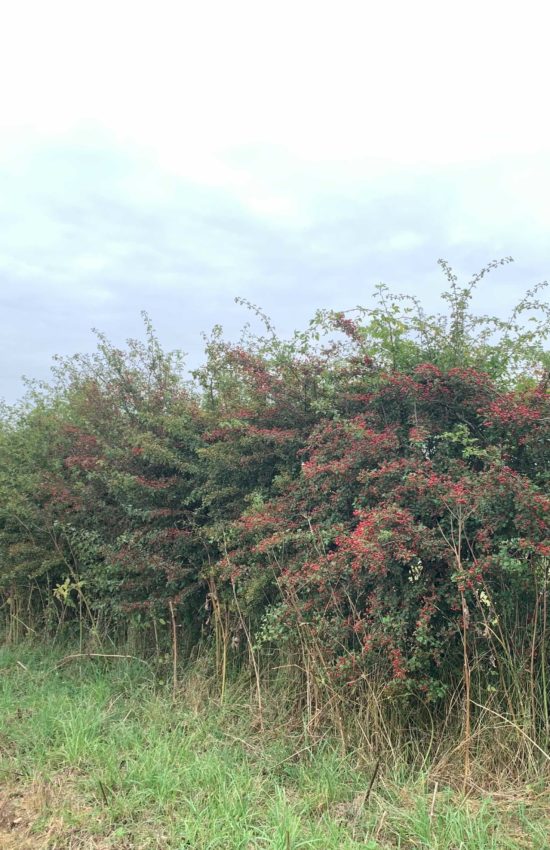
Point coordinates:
[[371, 783], [68, 658], [242, 741], [380, 825], [289, 758], [367, 793], [432, 807], [174, 649], [103, 794]]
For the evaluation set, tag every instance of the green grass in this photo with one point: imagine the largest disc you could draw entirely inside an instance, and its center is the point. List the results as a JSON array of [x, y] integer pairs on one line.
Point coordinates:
[[97, 754]]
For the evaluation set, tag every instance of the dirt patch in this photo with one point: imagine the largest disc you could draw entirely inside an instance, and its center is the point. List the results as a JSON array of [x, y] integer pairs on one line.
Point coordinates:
[[30, 819], [19, 811]]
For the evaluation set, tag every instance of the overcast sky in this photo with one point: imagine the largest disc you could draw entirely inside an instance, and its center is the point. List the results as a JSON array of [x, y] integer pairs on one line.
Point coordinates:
[[169, 156]]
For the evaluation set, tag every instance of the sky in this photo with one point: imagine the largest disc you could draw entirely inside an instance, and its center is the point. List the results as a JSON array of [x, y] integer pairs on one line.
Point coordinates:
[[169, 156]]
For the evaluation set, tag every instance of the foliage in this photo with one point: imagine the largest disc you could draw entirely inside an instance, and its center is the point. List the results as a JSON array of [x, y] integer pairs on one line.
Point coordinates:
[[366, 499]]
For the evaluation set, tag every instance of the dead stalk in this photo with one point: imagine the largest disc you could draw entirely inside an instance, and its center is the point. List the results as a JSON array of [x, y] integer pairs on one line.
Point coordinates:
[[174, 650]]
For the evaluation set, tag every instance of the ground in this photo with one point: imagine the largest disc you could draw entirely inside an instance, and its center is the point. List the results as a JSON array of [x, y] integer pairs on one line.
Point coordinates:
[[98, 754]]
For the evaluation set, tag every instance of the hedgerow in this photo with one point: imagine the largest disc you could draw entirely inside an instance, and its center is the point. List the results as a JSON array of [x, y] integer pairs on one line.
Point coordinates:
[[368, 498]]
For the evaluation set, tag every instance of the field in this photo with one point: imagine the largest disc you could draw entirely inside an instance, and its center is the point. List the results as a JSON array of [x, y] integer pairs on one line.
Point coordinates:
[[99, 753]]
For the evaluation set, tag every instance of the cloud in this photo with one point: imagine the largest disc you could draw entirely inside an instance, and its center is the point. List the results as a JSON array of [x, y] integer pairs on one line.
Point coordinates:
[[93, 232], [169, 156]]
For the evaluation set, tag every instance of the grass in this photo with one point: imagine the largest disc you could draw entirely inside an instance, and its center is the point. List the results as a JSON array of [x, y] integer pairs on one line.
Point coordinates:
[[97, 754]]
